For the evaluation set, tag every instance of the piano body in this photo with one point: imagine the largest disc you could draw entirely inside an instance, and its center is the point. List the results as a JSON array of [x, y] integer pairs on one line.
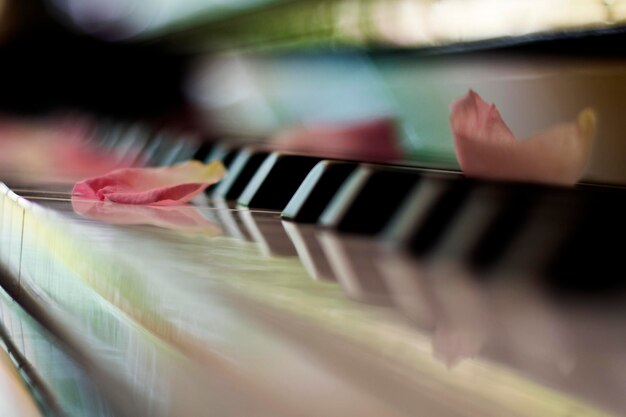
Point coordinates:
[[319, 282]]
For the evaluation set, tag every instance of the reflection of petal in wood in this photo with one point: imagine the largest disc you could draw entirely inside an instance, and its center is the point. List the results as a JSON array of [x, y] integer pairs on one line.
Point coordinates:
[[531, 317], [486, 147], [184, 218], [464, 322], [405, 277]]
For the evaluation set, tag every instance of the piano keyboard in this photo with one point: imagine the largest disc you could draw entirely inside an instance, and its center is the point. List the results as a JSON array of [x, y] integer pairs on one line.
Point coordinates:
[[326, 287]]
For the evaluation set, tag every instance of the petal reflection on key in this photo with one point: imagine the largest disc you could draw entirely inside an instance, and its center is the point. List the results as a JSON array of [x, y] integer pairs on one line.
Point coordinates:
[[486, 147], [464, 322], [182, 218]]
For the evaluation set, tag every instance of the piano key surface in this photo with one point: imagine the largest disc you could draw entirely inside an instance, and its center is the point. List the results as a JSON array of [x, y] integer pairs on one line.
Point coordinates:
[[251, 330]]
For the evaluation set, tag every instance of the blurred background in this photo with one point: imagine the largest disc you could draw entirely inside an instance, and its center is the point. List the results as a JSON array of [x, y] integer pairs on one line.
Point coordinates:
[[251, 69]]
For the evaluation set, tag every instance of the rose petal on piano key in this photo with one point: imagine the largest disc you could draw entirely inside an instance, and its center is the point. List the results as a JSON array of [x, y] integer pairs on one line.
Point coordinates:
[[161, 186], [486, 147]]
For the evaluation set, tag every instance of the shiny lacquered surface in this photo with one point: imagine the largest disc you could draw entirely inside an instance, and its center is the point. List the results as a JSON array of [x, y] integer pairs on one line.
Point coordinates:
[[229, 321]]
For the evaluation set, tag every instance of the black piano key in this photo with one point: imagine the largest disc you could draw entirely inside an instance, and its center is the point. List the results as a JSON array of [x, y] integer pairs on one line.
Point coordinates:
[[111, 135], [241, 170], [436, 208], [186, 152], [547, 228], [368, 199], [504, 228], [589, 258], [132, 140], [152, 149], [427, 234], [276, 181], [417, 206], [203, 150], [100, 133], [317, 190], [181, 149], [164, 146], [225, 153], [490, 218]]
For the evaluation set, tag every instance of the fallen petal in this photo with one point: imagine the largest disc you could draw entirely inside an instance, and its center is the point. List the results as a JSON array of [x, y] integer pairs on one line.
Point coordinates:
[[486, 147], [160, 186]]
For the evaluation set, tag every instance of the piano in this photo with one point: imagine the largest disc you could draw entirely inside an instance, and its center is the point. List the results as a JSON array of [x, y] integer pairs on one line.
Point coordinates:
[[318, 281]]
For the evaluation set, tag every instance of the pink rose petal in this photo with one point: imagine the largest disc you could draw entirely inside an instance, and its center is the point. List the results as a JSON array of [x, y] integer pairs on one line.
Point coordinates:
[[156, 186], [370, 140], [486, 147], [182, 218]]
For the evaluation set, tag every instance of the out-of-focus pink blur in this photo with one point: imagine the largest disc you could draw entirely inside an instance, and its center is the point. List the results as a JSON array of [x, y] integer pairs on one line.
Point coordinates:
[[372, 140], [56, 148]]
